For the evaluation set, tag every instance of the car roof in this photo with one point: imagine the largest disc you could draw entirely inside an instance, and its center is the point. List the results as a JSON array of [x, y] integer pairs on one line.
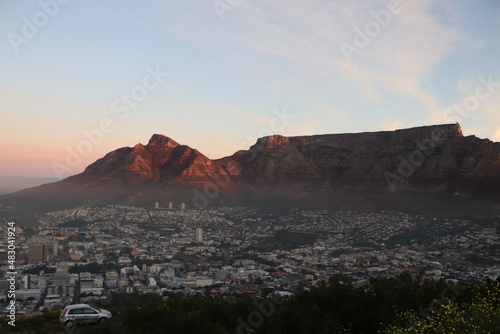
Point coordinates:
[[78, 305]]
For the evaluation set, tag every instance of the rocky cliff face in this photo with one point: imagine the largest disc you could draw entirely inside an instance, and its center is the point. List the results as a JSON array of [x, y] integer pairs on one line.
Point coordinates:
[[355, 167], [429, 152], [162, 160]]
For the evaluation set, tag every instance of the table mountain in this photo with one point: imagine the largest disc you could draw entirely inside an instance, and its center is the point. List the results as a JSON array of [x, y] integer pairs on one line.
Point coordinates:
[[429, 168]]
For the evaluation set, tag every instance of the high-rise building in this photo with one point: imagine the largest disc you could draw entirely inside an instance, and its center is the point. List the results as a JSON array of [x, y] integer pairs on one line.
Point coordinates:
[[157, 205], [170, 205], [198, 234], [55, 249], [37, 254], [183, 206], [52, 249]]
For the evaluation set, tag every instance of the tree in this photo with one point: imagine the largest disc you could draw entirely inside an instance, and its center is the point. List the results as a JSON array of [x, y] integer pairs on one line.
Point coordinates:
[[481, 315]]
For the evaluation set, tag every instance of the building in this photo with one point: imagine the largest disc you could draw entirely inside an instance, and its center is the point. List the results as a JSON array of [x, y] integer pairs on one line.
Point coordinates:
[[37, 254], [111, 278], [87, 284], [204, 281], [55, 248], [183, 206], [60, 290], [98, 282], [157, 205], [85, 276], [61, 277], [170, 205], [92, 291], [111, 274], [28, 293], [198, 234], [68, 230]]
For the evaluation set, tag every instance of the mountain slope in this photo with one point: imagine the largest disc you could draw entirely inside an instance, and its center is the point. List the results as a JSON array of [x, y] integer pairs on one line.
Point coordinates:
[[161, 160], [423, 168]]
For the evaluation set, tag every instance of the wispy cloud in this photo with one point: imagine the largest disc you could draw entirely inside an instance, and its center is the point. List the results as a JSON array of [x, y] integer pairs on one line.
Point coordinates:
[[294, 44], [399, 59], [483, 118], [491, 117]]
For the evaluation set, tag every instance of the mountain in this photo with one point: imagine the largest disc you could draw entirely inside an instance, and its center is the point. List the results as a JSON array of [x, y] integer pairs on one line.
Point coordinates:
[[161, 160], [432, 169]]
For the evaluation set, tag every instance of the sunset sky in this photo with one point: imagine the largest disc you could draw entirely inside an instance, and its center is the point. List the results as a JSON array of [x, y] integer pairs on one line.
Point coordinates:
[[215, 75]]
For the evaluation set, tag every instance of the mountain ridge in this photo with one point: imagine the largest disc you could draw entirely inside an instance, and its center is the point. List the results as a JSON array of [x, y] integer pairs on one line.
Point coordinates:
[[326, 170]]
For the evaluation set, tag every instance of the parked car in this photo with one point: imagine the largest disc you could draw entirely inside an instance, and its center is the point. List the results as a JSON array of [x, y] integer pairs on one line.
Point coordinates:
[[83, 314]]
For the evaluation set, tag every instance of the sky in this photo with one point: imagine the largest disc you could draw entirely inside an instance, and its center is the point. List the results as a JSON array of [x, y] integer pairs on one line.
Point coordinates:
[[80, 78]]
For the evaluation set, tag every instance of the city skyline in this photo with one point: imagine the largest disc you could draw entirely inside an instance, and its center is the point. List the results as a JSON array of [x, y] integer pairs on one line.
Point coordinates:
[[215, 75]]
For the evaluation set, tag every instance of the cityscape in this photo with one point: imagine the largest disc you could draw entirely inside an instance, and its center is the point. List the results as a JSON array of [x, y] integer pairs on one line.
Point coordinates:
[[249, 167], [90, 252]]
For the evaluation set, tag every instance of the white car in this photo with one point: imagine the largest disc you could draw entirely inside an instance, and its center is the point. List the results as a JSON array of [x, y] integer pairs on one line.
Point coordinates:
[[83, 314]]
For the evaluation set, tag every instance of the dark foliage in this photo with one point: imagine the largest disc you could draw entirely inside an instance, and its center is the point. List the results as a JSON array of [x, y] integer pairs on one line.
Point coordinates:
[[333, 307]]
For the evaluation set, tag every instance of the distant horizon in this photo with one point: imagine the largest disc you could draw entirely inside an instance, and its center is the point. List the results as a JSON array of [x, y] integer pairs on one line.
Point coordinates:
[[12, 183]]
